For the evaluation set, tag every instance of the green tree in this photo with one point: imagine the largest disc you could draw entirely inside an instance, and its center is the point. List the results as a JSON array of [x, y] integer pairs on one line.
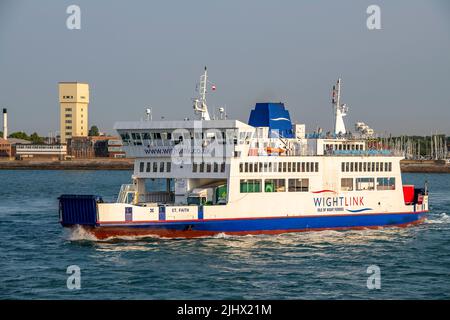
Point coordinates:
[[93, 132], [35, 138], [19, 135]]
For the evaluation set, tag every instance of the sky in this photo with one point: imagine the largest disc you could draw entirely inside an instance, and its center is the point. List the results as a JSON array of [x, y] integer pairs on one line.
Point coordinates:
[[136, 54]]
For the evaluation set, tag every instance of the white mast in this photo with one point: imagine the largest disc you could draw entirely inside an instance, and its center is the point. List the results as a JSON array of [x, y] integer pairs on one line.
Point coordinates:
[[200, 103], [340, 110]]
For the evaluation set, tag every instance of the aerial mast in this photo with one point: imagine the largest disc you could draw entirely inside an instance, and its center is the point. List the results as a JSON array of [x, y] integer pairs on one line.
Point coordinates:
[[340, 110], [200, 102]]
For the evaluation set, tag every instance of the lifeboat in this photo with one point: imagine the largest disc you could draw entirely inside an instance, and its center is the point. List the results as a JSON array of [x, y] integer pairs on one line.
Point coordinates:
[[272, 150]]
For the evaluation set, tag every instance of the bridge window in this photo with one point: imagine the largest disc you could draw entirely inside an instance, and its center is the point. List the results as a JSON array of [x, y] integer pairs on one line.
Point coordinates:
[[194, 167], [222, 167], [155, 166], [365, 184], [136, 138], [161, 167], [298, 185], [168, 166], [250, 185], [141, 166], [216, 167], [148, 167], [146, 136], [347, 184], [274, 185], [385, 183]]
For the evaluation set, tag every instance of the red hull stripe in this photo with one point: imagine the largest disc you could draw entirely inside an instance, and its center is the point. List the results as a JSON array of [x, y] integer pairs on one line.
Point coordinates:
[[108, 232], [322, 191]]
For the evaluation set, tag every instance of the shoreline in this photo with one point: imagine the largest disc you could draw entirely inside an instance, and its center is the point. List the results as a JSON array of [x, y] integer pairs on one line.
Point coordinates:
[[407, 166], [76, 164]]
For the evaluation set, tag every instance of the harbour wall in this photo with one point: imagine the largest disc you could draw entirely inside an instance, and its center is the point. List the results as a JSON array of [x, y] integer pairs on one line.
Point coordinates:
[[425, 166], [75, 164]]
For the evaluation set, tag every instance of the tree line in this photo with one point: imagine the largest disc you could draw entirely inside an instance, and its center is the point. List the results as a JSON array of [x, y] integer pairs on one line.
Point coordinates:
[[35, 138]]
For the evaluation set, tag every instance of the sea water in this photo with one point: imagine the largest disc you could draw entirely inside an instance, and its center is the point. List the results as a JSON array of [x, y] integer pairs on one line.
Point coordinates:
[[36, 253]]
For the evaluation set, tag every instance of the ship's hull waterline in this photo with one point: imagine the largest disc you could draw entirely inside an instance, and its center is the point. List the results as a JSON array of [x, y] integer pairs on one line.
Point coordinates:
[[255, 226]]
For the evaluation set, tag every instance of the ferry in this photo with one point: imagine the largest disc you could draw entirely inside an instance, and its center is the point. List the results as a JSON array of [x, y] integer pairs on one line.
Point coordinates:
[[212, 175]]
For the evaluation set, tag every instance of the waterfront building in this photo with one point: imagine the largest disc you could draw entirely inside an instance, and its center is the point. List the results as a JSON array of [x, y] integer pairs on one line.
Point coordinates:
[[41, 151], [74, 103], [5, 148], [115, 148], [95, 146]]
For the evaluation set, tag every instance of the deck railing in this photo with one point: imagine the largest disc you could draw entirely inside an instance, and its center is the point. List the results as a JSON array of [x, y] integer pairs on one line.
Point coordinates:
[[124, 190]]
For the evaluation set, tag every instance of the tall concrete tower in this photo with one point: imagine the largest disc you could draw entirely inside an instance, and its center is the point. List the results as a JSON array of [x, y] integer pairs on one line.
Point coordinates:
[[5, 124], [74, 103]]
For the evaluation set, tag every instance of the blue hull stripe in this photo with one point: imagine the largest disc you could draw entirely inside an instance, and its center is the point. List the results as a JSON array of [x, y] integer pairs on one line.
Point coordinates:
[[291, 223]]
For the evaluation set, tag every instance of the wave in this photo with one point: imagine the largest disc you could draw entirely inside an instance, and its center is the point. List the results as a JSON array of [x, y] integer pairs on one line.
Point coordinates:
[[438, 219], [78, 233]]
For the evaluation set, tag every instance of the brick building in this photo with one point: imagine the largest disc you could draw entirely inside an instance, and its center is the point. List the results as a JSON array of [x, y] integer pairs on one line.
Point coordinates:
[[5, 148]]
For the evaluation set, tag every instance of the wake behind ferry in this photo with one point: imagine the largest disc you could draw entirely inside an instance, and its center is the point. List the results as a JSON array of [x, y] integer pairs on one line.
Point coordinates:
[[266, 176]]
